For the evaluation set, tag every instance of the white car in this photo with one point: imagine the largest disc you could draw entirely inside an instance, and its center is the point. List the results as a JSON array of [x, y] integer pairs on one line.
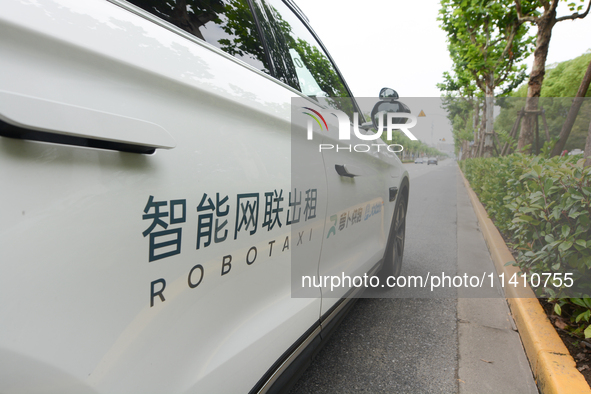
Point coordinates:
[[154, 206]]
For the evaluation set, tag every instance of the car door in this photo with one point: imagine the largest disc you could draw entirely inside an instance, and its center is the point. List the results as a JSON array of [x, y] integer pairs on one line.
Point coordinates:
[[358, 210], [358, 213], [147, 201]]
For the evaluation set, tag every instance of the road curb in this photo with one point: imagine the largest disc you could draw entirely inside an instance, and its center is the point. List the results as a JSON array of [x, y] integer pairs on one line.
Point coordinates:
[[553, 367]]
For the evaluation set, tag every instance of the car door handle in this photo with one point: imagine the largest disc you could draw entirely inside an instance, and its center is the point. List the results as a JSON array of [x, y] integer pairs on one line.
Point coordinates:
[[33, 118], [347, 170]]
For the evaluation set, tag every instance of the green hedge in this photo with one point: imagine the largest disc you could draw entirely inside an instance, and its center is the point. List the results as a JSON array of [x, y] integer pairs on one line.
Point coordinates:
[[544, 207]]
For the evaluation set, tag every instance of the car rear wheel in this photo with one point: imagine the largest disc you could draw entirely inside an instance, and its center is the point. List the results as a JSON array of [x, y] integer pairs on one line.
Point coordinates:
[[395, 248]]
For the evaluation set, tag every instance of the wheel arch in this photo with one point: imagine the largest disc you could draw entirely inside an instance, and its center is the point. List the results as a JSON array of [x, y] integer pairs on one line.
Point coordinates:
[[404, 190]]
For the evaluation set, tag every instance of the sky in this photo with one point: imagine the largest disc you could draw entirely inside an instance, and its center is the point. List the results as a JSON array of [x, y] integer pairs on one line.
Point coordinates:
[[398, 44]]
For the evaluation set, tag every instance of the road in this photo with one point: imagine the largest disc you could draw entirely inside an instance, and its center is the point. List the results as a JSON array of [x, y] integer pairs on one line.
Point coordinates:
[[427, 345]]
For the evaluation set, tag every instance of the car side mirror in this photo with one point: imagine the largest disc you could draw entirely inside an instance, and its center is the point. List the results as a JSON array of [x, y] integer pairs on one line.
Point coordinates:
[[388, 103], [387, 94]]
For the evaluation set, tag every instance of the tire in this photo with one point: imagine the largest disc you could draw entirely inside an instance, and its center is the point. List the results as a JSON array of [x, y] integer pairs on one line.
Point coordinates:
[[395, 248]]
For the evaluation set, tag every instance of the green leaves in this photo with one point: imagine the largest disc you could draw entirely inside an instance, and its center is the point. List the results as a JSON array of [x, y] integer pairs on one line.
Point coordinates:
[[548, 186], [583, 316], [565, 230], [544, 206], [578, 301], [486, 41]]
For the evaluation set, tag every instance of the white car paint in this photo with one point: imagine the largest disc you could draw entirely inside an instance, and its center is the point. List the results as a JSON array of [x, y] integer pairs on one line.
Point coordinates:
[[79, 313]]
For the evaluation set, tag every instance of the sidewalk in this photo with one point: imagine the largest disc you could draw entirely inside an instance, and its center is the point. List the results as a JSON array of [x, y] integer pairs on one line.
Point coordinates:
[[553, 367], [491, 355]]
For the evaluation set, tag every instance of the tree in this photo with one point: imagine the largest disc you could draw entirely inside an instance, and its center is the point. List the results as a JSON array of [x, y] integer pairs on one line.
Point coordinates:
[[463, 133], [561, 83], [542, 13], [460, 101], [233, 17], [572, 113], [460, 113], [563, 79], [486, 41], [189, 15], [417, 147]]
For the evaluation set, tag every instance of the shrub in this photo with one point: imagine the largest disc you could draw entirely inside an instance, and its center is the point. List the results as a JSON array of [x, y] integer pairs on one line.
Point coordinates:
[[544, 207]]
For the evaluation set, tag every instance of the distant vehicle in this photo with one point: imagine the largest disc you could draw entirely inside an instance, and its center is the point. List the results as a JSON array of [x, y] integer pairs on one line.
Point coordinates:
[[576, 152], [419, 160], [432, 160]]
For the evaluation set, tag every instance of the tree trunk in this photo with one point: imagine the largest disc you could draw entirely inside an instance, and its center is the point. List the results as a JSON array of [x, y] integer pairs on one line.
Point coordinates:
[[572, 113], [476, 119], [536, 77], [465, 150], [543, 112], [506, 147], [481, 141], [480, 132], [489, 106], [475, 124]]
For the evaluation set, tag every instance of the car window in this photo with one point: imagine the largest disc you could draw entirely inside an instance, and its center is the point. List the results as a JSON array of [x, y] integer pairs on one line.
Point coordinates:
[[298, 58], [227, 24]]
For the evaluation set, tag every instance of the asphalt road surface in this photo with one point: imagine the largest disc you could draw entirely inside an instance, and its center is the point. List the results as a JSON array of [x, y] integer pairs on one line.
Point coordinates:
[[409, 344]]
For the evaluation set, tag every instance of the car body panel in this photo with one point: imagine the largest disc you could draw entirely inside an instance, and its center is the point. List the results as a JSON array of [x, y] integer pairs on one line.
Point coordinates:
[[89, 187], [358, 209], [93, 306]]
